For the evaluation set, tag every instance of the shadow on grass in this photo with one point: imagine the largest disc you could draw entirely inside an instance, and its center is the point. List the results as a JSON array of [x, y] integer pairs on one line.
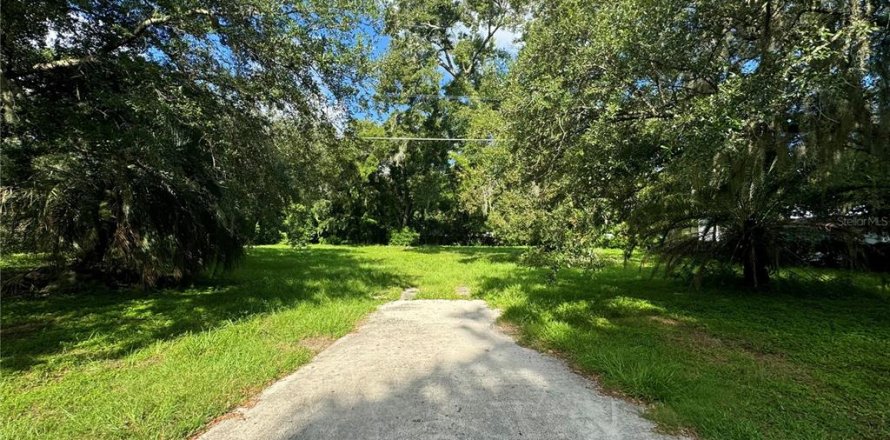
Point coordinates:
[[474, 254], [99, 325], [811, 347], [793, 305]]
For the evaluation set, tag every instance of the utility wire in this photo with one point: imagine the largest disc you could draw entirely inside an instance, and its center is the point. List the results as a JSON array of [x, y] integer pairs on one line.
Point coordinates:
[[446, 97], [376, 138]]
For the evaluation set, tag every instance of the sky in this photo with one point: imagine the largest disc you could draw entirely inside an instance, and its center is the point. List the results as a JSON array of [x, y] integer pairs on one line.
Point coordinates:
[[503, 39]]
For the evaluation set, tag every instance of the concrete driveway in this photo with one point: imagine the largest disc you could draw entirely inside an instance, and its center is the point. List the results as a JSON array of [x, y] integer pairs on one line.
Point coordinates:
[[433, 370]]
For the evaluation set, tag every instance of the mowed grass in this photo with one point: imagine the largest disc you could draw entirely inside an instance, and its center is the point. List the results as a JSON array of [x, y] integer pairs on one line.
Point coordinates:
[[807, 360], [161, 364]]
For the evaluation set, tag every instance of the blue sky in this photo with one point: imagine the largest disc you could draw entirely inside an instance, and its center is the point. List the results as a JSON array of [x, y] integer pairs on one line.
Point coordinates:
[[503, 39]]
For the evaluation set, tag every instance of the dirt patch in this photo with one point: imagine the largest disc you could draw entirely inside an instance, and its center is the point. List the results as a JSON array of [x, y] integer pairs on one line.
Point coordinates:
[[409, 293], [317, 344], [233, 415], [24, 328], [665, 320], [702, 339], [509, 329], [462, 291], [778, 363], [252, 402], [723, 351], [237, 415], [238, 412]]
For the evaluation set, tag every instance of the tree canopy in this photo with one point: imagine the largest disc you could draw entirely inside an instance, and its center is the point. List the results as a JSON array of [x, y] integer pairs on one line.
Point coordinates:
[[156, 139], [138, 137], [752, 121]]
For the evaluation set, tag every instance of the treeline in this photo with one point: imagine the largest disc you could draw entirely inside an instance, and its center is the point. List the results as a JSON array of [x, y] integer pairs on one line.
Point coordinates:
[[155, 141], [144, 141]]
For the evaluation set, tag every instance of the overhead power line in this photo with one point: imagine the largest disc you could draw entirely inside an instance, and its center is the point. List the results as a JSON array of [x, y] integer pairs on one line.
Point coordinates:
[[376, 138], [445, 97]]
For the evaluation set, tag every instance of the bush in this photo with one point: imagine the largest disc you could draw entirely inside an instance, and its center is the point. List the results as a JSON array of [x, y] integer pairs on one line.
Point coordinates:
[[613, 237], [268, 231], [404, 237], [298, 225]]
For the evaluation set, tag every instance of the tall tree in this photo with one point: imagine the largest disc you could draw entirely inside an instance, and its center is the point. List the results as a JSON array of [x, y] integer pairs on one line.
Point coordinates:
[[137, 136], [442, 71], [757, 117]]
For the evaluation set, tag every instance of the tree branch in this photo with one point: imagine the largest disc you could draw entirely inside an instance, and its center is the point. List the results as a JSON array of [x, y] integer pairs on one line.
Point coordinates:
[[880, 20], [491, 31], [132, 36], [449, 64]]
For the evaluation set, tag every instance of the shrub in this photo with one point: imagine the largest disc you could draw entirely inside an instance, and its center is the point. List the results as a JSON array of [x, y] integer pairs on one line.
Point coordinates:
[[404, 237], [298, 225]]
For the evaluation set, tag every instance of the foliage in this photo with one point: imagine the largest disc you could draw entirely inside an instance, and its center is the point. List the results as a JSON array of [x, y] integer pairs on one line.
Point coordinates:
[[298, 225], [447, 87], [268, 231], [757, 118], [404, 237], [138, 138], [148, 142]]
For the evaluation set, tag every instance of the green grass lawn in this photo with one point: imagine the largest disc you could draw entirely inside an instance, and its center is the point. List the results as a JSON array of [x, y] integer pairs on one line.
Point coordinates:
[[808, 360]]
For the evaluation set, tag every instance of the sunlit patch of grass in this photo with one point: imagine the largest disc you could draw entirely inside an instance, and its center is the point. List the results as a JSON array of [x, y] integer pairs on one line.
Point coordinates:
[[161, 364], [806, 360], [626, 306], [21, 261]]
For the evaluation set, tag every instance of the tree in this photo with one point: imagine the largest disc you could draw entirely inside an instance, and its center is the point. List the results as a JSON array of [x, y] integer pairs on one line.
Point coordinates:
[[760, 118], [138, 137], [450, 82]]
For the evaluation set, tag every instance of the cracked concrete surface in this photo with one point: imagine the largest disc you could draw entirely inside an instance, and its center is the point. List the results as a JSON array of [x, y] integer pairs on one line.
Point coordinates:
[[433, 370]]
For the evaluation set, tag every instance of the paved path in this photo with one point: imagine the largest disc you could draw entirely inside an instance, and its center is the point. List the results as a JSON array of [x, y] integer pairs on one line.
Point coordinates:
[[433, 370]]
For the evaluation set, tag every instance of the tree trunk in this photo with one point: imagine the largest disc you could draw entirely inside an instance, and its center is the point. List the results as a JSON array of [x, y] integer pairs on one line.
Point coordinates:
[[629, 251], [94, 256], [756, 257]]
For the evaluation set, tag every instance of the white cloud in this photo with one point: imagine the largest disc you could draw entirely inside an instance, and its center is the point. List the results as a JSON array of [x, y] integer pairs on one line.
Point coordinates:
[[508, 41], [504, 39]]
